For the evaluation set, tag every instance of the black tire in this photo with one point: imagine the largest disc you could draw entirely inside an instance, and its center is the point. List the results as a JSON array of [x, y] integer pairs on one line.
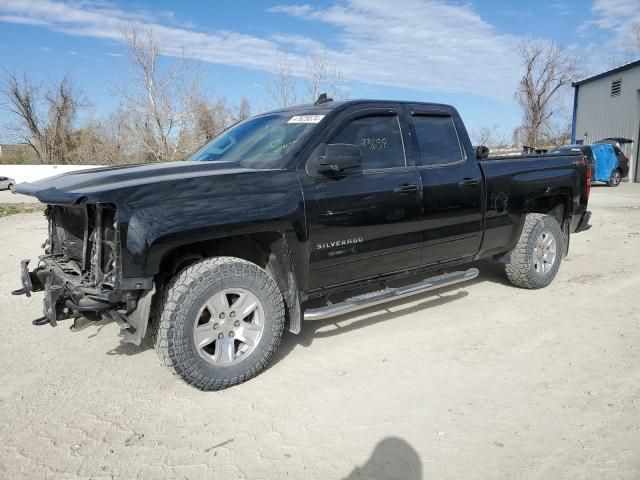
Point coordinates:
[[10, 187], [521, 266], [615, 178], [183, 299]]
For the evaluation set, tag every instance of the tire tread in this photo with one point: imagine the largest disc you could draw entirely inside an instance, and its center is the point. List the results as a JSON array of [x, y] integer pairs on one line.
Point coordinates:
[[519, 268], [180, 359]]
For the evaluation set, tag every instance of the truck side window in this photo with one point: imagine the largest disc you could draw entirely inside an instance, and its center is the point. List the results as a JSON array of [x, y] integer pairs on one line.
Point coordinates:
[[438, 139], [379, 139]]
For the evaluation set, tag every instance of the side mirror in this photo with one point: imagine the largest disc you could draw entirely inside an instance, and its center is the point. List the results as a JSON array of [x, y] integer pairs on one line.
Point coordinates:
[[482, 152], [339, 157]]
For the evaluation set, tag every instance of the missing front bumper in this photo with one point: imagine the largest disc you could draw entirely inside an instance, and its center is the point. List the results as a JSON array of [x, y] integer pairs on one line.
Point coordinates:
[[30, 282], [67, 296], [59, 288]]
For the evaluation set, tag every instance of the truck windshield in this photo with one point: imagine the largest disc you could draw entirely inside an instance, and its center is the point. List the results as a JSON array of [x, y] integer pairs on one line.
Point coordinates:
[[259, 142]]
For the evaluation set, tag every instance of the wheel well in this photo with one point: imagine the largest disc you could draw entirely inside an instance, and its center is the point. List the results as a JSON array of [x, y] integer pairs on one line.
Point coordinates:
[[556, 206], [268, 250]]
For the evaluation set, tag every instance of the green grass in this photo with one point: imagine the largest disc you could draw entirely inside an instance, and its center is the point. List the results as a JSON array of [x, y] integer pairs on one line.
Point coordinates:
[[7, 209]]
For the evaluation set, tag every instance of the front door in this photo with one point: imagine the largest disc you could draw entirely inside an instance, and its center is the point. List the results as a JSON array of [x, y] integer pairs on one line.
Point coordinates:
[[368, 221]]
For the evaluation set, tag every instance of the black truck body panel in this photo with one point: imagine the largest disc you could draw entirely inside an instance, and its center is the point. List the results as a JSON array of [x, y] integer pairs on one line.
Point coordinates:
[[338, 231]]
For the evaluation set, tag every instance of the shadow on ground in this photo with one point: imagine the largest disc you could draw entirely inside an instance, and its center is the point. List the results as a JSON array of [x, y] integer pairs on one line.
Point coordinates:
[[392, 458], [489, 272]]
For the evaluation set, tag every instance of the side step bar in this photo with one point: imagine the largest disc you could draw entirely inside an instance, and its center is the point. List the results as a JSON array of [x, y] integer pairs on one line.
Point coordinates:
[[389, 294]]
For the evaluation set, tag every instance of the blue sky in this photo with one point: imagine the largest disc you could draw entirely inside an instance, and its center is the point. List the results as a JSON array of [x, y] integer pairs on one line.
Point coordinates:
[[462, 53]]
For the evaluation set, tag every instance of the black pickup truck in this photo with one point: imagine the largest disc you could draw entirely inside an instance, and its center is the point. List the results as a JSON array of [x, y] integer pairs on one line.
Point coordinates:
[[212, 258]]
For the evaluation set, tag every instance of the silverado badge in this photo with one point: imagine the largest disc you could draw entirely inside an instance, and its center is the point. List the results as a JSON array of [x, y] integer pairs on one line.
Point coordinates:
[[339, 243]]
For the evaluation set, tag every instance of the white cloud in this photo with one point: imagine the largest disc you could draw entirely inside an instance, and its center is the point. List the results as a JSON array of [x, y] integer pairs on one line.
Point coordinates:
[[22, 20], [297, 42], [72, 52], [45, 49], [422, 44], [428, 45], [112, 54], [562, 8], [294, 10], [616, 16]]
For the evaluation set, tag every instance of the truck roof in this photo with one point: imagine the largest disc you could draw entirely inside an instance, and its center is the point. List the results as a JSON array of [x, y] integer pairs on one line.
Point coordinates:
[[340, 104]]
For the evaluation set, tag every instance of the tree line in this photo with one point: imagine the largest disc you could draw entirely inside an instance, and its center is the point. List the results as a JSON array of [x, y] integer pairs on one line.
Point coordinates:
[[164, 115]]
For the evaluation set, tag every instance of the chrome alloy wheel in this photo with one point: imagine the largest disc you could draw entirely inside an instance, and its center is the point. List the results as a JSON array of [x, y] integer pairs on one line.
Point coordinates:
[[544, 252], [616, 177], [228, 326]]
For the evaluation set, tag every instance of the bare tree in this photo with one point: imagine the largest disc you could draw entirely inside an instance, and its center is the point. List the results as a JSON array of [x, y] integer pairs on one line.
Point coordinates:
[[281, 89], [104, 141], [488, 136], [243, 111], [211, 118], [633, 42], [159, 102], [549, 70], [322, 77], [630, 51], [42, 120], [117, 144]]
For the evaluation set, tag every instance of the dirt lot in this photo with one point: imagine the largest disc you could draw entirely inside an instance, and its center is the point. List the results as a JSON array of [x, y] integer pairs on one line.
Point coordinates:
[[480, 381], [7, 196]]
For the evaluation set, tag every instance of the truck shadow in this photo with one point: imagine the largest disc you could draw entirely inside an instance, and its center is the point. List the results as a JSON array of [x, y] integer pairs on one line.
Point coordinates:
[[489, 272], [311, 330]]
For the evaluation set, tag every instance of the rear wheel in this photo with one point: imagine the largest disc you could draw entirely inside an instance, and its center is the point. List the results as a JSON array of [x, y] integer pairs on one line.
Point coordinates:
[[10, 187], [535, 260], [221, 321], [615, 178]]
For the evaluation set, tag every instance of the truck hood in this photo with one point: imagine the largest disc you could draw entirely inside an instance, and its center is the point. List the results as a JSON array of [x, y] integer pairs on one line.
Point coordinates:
[[109, 184]]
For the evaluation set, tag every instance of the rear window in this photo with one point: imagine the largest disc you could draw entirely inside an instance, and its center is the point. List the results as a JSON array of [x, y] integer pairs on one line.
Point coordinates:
[[438, 138]]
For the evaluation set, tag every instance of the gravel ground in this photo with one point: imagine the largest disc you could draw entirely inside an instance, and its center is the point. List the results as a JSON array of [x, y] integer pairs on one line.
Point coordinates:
[[6, 196], [480, 381]]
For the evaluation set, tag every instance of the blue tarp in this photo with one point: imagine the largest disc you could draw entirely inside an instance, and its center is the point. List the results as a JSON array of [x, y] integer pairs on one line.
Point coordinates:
[[605, 161]]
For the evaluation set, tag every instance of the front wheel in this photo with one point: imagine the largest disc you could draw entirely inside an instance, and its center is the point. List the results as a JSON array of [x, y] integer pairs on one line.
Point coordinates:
[[615, 178], [535, 260], [10, 187], [222, 319]]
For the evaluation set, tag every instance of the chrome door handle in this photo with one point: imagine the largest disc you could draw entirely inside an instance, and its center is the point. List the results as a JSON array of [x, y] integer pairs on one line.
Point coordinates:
[[468, 182], [406, 188]]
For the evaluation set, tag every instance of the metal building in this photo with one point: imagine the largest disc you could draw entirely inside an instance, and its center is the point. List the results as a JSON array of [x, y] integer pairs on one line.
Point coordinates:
[[608, 105]]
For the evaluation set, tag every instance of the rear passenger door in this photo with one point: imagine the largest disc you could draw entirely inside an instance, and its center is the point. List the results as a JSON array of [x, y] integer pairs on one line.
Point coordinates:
[[367, 221], [452, 186]]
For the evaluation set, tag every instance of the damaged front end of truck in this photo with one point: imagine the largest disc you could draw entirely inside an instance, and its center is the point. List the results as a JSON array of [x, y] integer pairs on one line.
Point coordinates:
[[80, 272]]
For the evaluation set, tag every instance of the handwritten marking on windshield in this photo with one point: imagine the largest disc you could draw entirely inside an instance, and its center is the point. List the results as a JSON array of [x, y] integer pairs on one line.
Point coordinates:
[[278, 147], [374, 143]]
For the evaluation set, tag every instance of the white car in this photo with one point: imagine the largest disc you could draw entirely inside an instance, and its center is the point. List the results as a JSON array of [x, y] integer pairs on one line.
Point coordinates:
[[7, 183]]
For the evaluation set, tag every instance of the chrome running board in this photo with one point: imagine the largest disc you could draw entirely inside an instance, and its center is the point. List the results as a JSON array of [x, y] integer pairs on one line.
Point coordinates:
[[389, 294]]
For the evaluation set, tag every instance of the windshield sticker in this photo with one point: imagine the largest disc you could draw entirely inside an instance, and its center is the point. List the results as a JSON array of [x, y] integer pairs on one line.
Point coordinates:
[[306, 119]]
